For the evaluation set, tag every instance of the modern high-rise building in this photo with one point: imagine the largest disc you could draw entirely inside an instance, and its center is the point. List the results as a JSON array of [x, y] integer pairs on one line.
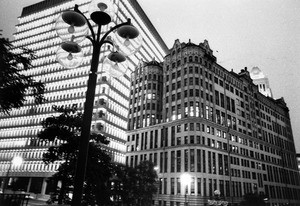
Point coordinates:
[[67, 87], [189, 115]]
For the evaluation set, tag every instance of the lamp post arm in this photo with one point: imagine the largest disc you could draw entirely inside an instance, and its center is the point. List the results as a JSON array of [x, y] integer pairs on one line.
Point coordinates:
[[108, 42], [90, 38], [87, 21], [112, 29]]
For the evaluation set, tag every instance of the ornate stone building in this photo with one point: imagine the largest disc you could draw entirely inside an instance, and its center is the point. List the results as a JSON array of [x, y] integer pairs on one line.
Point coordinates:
[[212, 124]]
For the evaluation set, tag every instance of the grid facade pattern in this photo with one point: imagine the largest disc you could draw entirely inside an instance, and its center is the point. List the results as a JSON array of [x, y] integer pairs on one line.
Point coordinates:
[[218, 128], [64, 87], [145, 95]]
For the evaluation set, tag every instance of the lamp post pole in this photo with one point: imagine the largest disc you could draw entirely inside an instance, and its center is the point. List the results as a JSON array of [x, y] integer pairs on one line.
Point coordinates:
[[68, 55], [87, 118]]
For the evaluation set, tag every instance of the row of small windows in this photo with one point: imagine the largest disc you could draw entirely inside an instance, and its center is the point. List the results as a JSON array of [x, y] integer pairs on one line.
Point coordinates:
[[33, 32], [147, 86], [140, 99], [22, 121], [117, 145], [197, 160], [191, 71], [68, 84], [36, 119], [206, 186], [31, 166], [32, 154], [114, 106], [109, 129], [149, 77], [220, 116], [37, 38], [26, 142], [151, 142], [144, 120], [190, 59], [219, 71], [114, 119]]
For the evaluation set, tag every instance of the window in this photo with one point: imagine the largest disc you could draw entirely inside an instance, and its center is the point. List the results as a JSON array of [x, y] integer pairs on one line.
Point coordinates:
[[178, 128], [197, 126], [172, 186], [178, 162], [208, 129], [186, 127], [192, 127], [178, 141]]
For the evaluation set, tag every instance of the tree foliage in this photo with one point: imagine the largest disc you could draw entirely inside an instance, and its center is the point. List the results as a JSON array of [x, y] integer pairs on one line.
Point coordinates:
[[135, 186], [66, 128], [104, 179], [15, 84]]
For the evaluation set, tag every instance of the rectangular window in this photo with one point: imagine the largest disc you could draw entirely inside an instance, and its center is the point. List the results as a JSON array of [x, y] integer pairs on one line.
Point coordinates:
[[197, 126], [193, 186], [172, 161], [172, 186], [178, 162], [178, 141], [186, 160], [192, 127], [203, 161], [178, 128], [192, 139], [155, 139], [209, 163], [217, 98], [192, 160], [186, 127], [186, 140], [151, 140], [173, 136], [204, 187], [199, 186], [165, 186], [178, 185], [160, 186], [166, 162], [198, 160], [161, 162], [220, 157]]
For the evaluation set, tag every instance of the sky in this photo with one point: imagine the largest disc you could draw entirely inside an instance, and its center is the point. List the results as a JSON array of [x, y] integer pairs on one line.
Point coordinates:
[[242, 33]]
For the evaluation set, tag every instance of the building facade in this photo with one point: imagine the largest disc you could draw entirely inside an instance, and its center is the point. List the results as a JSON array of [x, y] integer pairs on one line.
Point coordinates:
[[212, 124], [65, 87]]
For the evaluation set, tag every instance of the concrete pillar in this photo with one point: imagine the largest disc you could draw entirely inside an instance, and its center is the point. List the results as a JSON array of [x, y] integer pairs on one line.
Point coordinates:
[[44, 186]]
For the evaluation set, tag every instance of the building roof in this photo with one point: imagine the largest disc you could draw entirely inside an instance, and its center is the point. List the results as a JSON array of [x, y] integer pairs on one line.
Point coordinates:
[[41, 6]]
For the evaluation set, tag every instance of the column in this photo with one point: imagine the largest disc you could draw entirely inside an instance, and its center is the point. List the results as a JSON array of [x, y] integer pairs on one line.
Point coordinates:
[[44, 186]]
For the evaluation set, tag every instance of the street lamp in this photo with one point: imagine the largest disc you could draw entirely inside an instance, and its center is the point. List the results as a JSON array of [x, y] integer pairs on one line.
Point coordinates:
[[16, 161], [73, 27], [186, 180]]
